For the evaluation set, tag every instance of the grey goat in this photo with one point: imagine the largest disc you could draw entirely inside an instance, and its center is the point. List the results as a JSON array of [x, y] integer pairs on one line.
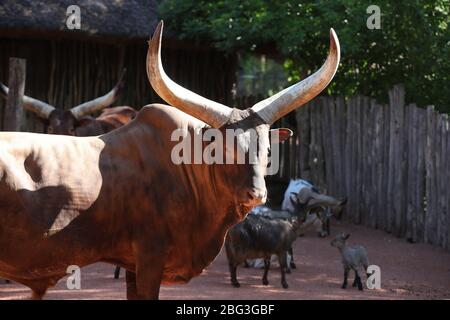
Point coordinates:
[[311, 217], [352, 258], [260, 237]]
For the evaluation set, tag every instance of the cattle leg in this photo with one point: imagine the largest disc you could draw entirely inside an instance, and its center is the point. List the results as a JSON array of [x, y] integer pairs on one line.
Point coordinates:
[[117, 272], [283, 265], [344, 285], [38, 293], [149, 272], [266, 271], [130, 278], [233, 268]]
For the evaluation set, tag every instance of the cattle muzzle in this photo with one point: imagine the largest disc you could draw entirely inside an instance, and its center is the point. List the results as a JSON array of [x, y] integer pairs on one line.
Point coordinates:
[[254, 197]]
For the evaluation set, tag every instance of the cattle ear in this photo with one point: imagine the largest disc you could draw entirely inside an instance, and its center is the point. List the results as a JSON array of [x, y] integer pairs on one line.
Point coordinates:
[[279, 135], [84, 121]]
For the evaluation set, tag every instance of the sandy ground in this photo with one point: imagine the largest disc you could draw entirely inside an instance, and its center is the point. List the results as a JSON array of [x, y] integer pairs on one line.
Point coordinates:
[[408, 271]]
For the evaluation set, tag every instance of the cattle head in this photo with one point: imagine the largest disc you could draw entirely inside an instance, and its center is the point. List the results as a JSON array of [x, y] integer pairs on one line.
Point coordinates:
[[65, 122], [248, 184]]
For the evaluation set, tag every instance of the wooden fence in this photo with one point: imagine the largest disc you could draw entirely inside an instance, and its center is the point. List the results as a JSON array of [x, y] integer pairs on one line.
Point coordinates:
[[391, 161], [66, 73]]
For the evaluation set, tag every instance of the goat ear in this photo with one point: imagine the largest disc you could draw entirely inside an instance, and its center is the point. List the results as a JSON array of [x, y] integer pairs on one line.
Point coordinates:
[[293, 199], [347, 235], [343, 202]]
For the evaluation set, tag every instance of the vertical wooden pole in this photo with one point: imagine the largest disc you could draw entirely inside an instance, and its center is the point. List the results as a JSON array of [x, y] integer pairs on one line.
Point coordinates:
[[430, 177], [16, 83]]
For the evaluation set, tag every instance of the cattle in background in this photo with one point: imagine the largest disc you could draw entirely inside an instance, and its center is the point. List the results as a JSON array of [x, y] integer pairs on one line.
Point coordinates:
[[75, 201], [76, 121], [299, 192]]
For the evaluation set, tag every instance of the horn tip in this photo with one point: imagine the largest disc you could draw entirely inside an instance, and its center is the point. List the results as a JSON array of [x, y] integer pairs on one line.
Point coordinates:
[[160, 26], [157, 33], [334, 44], [334, 38]]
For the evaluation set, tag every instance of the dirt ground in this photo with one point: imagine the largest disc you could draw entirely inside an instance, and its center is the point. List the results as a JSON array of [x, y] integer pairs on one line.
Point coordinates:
[[408, 271]]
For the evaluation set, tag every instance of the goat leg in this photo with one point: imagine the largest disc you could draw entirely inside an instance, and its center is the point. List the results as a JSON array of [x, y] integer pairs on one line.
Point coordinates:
[[266, 271], [117, 272], [283, 265], [344, 285], [291, 263], [234, 281], [358, 281]]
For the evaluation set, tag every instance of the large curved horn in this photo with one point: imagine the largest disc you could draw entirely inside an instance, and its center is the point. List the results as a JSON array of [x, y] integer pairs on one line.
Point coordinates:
[[210, 112], [280, 104], [101, 102], [41, 108]]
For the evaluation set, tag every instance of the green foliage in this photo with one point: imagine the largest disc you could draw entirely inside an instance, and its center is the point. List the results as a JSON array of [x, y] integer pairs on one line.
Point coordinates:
[[412, 46]]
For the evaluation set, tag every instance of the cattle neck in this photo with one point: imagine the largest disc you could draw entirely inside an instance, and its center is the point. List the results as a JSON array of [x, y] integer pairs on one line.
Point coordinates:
[[199, 198]]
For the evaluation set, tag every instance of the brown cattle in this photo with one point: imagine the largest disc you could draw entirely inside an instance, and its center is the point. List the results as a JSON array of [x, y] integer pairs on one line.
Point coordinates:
[[76, 121], [124, 200]]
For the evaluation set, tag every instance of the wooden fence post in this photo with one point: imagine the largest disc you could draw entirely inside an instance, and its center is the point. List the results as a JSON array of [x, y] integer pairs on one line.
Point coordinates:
[[16, 83]]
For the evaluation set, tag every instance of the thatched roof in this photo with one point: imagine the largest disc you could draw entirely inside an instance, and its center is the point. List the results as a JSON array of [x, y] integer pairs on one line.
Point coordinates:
[[126, 19]]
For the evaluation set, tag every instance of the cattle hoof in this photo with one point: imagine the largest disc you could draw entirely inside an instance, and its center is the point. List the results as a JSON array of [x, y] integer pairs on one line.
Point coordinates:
[[293, 266], [344, 286], [265, 282], [288, 270], [236, 284], [285, 285]]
